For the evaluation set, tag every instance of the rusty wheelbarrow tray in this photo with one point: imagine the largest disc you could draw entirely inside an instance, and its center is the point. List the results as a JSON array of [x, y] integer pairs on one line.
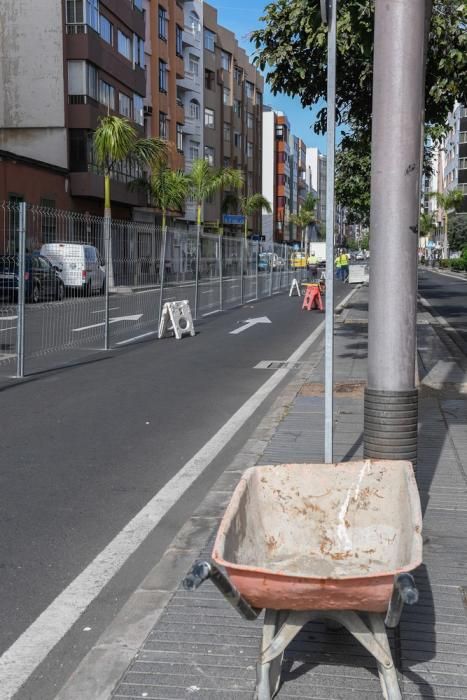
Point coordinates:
[[307, 541]]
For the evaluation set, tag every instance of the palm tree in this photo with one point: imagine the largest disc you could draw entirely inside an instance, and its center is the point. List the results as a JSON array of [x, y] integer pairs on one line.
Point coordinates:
[[448, 202], [115, 140], [247, 205], [168, 190], [204, 181], [426, 224], [304, 218]]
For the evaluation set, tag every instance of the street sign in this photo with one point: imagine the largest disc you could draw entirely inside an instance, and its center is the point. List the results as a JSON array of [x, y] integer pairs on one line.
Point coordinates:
[[236, 219]]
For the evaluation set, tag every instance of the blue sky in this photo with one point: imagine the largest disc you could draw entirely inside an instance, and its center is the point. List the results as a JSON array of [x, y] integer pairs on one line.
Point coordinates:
[[242, 17]]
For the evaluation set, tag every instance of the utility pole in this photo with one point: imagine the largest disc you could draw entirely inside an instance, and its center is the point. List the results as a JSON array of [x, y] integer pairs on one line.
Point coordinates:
[[329, 16], [391, 399]]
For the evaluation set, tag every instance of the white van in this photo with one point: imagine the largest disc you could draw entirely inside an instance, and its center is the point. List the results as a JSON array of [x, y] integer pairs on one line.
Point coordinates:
[[80, 266]]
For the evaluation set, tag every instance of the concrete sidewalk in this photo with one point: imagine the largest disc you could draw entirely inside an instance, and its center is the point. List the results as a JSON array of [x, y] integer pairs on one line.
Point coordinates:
[[200, 647]]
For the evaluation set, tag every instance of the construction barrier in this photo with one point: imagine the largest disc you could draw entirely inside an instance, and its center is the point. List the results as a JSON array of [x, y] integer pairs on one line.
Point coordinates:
[[295, 286], [312, 298], [178, 313]]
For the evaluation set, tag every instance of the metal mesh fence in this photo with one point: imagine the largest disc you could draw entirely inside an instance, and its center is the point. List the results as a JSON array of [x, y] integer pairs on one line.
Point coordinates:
[[71, 283]]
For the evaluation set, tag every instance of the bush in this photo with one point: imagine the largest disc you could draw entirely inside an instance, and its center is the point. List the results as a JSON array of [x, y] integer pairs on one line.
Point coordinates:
[[459, 264], [444, 263]]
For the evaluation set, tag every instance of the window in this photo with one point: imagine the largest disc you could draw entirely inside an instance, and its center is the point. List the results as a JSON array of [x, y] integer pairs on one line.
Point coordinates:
[[209, 79], [259, 98], [90, 254], [179, 137], [226, 162], [250, 120], [92, 14], [238, 75], [227, 132], [249, 149], [226, 59], [249, 183], [194, 150], [193, 64], [106, 94], [178, 40], [280, 202], [105, 29], [209, 40], [249, 89], [237, 107], [82, 79], [48, 220], [209, 118], [163, 126], [75, 12], [281, 132], [163, 77], [138, 109], [124, 45], [462, 163], [193, 22], [195, 110], [138, 4], [237, 139], [226, 94], [124, 105], [209, 154], [138, 51], [163, 23], [463, 137]]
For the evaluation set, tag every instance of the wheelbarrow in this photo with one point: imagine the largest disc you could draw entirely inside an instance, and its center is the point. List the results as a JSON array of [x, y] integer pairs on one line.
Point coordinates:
[[319, 541]]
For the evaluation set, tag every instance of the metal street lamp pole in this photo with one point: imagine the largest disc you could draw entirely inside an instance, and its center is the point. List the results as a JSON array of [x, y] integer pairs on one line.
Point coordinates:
[[329, 15], [391, 400]]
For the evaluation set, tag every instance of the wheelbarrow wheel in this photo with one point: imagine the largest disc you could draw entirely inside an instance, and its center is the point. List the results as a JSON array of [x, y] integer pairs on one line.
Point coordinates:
[[269, 675]]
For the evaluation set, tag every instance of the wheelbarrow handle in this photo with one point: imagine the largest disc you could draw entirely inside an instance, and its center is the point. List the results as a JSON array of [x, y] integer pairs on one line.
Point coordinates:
[[202, 570], [404, 592]]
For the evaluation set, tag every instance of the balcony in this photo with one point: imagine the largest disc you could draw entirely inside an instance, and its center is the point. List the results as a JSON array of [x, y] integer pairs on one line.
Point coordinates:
[[190, 81], [192, 126], [89, 184], [191, 37]]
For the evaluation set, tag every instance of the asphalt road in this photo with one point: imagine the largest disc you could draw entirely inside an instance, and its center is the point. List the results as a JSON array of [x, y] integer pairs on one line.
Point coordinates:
[[58, 333], [447, 294], [85, 448]]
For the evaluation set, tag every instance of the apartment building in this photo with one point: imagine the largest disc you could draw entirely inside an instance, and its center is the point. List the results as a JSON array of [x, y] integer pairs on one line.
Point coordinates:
[[67, 63], [276, 174], [316, 179], [297, 182], [233, 102], [164, 111], [455, 150]]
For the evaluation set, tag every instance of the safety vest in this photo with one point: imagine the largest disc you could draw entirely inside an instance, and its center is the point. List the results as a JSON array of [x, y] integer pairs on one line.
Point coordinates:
[[312, 260], [344, 260], [337, 261]]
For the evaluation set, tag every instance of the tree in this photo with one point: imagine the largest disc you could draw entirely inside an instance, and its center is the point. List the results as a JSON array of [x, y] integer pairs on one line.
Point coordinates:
[[116, 140], [304, 218], [447, 201], [167, 188], [247, 205], [457, 231], [426, 224], [203, 182], [292, 49]]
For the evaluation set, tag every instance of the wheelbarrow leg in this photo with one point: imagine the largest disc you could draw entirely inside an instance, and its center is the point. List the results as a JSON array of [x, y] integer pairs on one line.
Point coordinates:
[[280, 627], [269, 673], [387, 676]]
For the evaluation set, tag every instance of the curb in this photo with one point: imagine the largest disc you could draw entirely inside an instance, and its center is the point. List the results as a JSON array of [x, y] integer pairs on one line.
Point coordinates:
[[102, 668]]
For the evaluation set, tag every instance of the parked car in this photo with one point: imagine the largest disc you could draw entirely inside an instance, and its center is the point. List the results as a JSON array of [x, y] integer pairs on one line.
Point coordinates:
[[80, 265], [263, 262], [360, 256], [42, 279]]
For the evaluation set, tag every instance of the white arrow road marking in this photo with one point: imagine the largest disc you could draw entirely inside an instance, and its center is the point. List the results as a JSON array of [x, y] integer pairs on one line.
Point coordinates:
[[8, 318], [136, 317], [249, 323]]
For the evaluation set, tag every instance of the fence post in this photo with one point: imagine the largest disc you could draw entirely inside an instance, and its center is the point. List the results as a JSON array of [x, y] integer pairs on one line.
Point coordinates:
[[257, 271], [242, 248], [271, 266], [221, 262], [21, 280], [108, 266], [198, 243], [280, 267], [162, 271]]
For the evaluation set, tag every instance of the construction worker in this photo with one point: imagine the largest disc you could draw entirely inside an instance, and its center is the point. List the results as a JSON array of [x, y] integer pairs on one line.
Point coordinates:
[[312, 264], [344, 259], [338, 264]]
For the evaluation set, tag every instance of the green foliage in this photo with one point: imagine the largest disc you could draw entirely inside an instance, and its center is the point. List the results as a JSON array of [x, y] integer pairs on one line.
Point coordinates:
[[444, 263], [292, 49], [457, 231], [426, 224], [309, 203], [204, 180], [168, 188], [115, 140]]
